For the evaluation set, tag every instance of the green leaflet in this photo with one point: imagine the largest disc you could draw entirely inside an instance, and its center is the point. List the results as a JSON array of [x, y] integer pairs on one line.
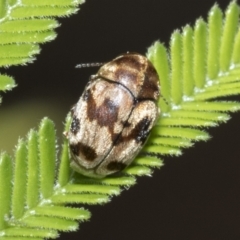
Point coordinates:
[[202, 64], [6, 83], [6, 176]]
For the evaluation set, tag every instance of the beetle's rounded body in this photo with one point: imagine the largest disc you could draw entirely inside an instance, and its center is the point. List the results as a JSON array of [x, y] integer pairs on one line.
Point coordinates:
[[114, 116]]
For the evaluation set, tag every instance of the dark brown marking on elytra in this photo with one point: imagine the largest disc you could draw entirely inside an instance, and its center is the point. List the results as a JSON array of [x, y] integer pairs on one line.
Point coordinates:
[[106, 114], [116, 166], [131, 61], [74, 149], [75, 125], [114, 136], [150, 87], [141, 130], [126, 124], [87, 151], [139, 133]]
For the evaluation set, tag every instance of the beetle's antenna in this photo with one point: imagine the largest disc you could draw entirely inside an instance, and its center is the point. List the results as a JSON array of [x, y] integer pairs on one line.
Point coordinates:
[[86, 65]]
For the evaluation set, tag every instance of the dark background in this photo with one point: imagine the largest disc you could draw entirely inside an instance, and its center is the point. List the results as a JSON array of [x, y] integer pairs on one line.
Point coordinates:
[[195, 196]]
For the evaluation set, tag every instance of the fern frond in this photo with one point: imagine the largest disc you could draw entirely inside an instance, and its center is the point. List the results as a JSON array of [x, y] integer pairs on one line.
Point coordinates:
[[204, 65], [24, 25], [34, 195], [34, 198]]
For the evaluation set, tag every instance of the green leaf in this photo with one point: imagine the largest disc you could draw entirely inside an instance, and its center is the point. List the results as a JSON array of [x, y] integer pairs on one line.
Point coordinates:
[[214, 40], [63, 212], [33, 170], [47, 138], [162, 66], [21, 51], [176, 55], [6, 166], [229, 32], [20, 180], [53, 223], [199, 53], [6, 83], [188, 84], [28, 25]]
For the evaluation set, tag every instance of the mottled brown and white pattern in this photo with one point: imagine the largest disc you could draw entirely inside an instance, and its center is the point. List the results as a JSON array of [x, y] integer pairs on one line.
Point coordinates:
[[114, 116]]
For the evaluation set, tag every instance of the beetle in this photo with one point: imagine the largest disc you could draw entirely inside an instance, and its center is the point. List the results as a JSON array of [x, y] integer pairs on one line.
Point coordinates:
[[114, 116]]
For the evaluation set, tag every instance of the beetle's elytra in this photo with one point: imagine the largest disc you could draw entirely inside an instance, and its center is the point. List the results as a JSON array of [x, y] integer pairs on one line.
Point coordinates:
[[114, 116]]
